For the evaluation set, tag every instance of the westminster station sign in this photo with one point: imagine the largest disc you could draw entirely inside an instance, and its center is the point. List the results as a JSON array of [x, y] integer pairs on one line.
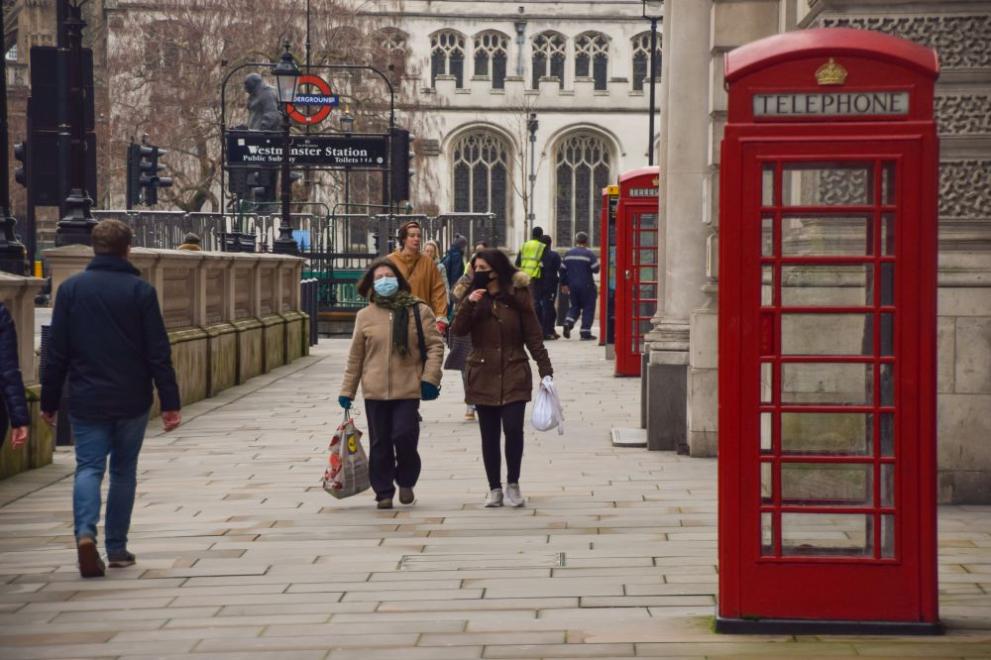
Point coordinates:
[[256, 149]]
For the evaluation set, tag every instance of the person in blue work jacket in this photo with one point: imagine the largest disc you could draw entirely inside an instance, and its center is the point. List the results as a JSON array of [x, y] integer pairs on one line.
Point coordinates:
[[577, 270]]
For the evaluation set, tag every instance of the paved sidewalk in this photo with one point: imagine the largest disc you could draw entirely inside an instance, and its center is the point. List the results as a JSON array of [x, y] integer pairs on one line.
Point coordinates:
[[242, 555]]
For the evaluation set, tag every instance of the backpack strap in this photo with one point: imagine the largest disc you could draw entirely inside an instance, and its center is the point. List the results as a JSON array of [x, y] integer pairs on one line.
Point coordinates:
[[419, 333]]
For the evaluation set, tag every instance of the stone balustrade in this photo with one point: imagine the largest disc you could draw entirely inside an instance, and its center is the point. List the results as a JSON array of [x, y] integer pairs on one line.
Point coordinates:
[[230, 317]]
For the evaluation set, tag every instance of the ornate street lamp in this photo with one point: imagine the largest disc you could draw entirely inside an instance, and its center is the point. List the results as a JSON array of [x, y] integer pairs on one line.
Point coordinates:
[[653, 11], [287, 77], [531, 126]]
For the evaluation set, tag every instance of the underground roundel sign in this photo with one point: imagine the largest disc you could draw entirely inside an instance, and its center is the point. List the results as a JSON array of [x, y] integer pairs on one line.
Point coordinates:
[[313, 101]]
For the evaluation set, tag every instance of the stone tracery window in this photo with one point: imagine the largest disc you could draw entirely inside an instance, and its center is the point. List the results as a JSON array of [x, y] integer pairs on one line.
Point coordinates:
[[481, 168], [447, 56], [592, 58], [392, 43], [548, 57], [583, 165], [641, 59], [491, 55]]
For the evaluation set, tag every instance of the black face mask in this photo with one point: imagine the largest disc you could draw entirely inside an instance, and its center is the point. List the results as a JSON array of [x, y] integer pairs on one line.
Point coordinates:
[[481, 280]]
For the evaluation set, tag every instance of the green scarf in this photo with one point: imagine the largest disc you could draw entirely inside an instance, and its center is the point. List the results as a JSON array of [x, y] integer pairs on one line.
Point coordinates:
[[399, 305]]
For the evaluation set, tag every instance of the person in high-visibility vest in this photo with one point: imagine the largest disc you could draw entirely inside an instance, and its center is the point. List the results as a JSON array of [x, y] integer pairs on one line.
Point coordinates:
[[528, 259]]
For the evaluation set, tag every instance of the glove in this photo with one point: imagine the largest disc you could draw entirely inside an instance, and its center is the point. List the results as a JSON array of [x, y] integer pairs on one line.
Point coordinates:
[[345, 402], [442, 327], [428, 391]]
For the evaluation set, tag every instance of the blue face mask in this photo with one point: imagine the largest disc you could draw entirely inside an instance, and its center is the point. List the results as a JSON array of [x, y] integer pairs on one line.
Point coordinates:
[[386, 286]]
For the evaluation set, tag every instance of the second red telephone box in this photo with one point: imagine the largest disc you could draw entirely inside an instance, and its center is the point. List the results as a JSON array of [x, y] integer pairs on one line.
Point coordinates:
[[636, 265]]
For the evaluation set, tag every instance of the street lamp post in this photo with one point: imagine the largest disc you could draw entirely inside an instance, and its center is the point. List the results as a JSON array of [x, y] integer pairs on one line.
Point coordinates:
[[77, 223], [11, 250], [347, 125], [286, 76], [531, 127], [653, 10]]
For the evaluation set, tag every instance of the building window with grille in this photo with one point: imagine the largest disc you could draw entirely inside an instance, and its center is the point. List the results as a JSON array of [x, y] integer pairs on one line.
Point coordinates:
[[481, 162], [548, 57], [641, 59], [583, 168], [592, 58], [491, 55], [447, 57]]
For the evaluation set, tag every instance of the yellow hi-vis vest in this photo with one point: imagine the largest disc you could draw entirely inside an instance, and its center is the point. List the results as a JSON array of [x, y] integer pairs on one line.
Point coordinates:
[[530, 256]]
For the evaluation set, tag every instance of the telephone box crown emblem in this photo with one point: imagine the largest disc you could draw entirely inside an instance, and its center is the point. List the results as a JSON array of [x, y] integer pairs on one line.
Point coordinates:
[[831, 73]]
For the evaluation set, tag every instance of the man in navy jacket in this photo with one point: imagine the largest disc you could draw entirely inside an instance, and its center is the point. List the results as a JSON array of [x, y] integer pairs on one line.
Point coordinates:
[[577, 279], [108, 338]]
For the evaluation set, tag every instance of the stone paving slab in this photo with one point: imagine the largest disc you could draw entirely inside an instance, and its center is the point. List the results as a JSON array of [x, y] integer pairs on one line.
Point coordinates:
[[242, 555]]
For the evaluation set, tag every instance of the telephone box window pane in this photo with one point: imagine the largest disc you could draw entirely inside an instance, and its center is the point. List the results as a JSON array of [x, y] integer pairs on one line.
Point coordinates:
[[646, 325], [827, 286], [827, 484], [829, 535], [648, 274], [766, 382], [887, 432], [830, 434], [648, 256], [826, 236], [767, 186], [887, 284], [827, 184], [887, 484], [887, 334], [888, 234], [648, 238], [767, 286], [648, 291], [765, 433], [826, 334], [887, 536], [648, 309], [766, 534], [766, 482], [767, 237], [887, 384], [828, 383], [888, 184]]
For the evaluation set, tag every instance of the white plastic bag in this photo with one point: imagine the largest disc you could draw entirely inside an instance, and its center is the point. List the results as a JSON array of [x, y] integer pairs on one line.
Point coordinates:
[[547, 411]]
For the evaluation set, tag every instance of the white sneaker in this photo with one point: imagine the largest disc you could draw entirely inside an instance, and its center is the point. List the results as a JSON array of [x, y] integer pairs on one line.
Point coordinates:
[[513, 495], [494, 498]]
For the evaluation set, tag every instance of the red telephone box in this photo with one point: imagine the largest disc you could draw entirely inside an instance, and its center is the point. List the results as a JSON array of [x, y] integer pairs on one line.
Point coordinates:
[[636, 265], [607, 270], [827, 336]]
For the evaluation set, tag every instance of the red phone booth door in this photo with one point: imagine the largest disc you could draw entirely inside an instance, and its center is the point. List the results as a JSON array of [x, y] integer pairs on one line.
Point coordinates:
[[829, 508], [636, 294]]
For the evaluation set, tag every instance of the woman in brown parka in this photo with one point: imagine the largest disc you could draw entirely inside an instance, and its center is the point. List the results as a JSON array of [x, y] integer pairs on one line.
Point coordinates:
[[499, 316]]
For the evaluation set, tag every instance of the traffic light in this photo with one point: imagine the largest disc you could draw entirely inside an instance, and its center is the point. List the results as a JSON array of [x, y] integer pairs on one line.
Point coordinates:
[[21, 154], [143, 180], [154, 180], [401, 159]]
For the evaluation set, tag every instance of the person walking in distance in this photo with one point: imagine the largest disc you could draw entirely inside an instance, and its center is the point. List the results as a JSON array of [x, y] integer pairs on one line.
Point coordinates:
[[548, 290], [13, 403], [420, 272], [396, 354], [109, 338], [499, 316], [454, 261], [577, 280], [431, 250]]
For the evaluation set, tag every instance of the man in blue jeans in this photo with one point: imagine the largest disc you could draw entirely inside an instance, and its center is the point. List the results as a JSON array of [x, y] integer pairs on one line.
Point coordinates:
[[108, 337]]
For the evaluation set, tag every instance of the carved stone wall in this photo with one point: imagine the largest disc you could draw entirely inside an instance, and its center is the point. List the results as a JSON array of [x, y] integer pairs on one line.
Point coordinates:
[[964, 114], [965, 190]]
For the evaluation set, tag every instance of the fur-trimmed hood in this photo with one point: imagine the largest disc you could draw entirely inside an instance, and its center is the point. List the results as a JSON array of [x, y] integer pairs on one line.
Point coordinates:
[[521, 280]]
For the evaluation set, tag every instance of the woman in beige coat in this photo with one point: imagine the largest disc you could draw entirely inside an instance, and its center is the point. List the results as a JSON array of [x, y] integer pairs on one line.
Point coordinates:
[[396, 354]]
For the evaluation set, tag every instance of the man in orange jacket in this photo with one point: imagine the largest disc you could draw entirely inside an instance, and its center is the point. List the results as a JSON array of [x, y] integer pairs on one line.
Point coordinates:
[[422, 273]]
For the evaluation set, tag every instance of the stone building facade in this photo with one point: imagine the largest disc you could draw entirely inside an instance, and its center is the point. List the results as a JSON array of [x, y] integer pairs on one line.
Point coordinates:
[[681, 403]]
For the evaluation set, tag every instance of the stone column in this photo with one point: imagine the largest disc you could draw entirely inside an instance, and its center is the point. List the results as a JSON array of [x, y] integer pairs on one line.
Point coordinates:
[[682, 241]]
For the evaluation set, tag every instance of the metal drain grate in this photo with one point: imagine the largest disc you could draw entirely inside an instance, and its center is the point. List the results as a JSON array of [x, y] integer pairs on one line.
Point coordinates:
[[474, 561]]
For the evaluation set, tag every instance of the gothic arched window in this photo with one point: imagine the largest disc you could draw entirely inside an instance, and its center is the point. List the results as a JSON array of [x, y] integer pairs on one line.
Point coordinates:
[[392, 43], [592, 58], [641, 59], [481, 167], [447, 57], [491, 55], [583, 168], [548, 57]]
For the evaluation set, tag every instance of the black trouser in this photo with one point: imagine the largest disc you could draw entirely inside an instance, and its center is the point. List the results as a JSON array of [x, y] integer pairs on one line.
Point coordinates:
[[493, 422], [394, 432], [548, 310]]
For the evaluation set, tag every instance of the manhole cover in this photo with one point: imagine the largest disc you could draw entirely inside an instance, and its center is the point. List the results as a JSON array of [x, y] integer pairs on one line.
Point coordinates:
[[472, 561]]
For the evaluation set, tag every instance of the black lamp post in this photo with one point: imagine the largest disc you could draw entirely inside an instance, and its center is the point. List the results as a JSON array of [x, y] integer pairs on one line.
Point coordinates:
[[653, 10], [347, 126], [531, 126], [11, 250], [77, 223], [286, 76]]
